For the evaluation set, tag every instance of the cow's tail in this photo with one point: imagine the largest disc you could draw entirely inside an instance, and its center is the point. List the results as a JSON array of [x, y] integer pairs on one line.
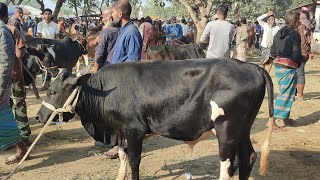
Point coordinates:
[[265, 150]]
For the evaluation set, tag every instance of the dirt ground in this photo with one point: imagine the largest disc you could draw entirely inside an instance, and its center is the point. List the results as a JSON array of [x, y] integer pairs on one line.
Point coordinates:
[[67, 152]]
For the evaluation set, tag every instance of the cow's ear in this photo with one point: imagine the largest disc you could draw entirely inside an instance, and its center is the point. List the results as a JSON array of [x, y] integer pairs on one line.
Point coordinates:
[[80, 80], [84, 70]]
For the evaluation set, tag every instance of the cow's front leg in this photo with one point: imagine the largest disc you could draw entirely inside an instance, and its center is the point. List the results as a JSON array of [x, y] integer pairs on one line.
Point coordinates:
[[134, 140], [122, 174]]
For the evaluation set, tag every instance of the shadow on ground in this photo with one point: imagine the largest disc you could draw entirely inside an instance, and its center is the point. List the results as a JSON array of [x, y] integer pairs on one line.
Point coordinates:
[[208, 167]]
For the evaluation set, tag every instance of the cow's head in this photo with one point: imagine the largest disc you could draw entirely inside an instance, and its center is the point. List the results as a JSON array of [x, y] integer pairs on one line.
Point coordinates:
[[59, 91], [46, 59]]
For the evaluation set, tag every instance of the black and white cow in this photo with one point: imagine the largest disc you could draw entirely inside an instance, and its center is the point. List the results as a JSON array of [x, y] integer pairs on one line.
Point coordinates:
[[182, 100], [54, 54]]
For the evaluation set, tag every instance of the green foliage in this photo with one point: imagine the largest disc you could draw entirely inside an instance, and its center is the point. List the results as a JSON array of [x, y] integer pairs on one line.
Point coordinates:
[[279, 7], [156, 8]]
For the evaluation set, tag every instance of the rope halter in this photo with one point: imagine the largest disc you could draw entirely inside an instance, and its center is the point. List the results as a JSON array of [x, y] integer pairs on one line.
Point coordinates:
[[69, 105], [81, 45]]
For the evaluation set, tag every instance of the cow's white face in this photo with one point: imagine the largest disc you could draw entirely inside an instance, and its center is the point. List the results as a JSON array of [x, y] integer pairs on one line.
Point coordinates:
[[59, 91]]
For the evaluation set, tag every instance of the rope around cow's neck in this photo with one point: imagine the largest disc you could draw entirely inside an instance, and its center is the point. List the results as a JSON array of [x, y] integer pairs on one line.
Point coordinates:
[[69, 106], [44, 69], [81, 45]]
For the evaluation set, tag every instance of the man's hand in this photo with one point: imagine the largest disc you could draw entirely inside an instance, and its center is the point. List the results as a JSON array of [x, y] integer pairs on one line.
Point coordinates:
[[270, 13]]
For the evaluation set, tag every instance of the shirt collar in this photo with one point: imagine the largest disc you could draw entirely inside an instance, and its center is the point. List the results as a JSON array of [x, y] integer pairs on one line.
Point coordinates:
[[125, 26], [47, 23]]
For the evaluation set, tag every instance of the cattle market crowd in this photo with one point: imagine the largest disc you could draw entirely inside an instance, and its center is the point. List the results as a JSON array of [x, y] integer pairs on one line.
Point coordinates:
[[115, 38]]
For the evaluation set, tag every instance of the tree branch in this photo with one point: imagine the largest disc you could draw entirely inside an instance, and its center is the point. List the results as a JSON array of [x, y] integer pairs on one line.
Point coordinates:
[[190, 10], [7, 2], [209, 6], [19, 2], [41, 5], [57, 8]]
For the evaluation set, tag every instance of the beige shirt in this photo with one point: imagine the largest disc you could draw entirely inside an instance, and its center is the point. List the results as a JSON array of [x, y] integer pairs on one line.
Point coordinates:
[[47, 31]]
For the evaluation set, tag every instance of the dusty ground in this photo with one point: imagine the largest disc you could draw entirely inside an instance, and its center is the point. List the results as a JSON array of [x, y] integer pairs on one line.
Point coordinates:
[[67, 151]]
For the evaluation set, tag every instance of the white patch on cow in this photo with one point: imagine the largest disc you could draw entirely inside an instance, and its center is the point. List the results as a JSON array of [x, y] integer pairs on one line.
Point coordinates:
[[216, 111], [122, 173], [214, 131], [224, 165], [51, 51]]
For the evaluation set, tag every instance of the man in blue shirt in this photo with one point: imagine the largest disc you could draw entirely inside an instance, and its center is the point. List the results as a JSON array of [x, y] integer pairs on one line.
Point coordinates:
[[129, 43], [174, 32]]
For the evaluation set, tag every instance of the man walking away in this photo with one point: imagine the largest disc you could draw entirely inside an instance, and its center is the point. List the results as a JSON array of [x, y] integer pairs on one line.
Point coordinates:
[[219, 34], [242, 40]]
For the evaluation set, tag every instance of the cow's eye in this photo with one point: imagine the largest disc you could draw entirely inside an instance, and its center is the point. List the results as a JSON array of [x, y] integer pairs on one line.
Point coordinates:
[[50, 93]]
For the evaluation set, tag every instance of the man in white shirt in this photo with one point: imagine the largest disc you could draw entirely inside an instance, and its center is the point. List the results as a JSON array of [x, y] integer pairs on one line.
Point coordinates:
[[270, 29], [219, 33], [47, 28], [184, 26]]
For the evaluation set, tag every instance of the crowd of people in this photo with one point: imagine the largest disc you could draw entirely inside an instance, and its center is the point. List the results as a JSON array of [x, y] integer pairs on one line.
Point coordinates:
[[122, 39]]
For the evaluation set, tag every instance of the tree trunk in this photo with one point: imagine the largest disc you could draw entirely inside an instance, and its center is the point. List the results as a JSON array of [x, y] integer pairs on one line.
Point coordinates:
[[57, 9], [200, 25], [204, 10], [19, 2], [7, 2], [76, 11], [41, 5]]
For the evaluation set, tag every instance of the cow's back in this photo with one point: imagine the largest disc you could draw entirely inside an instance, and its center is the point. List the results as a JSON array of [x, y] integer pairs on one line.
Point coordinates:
[[175, 52]]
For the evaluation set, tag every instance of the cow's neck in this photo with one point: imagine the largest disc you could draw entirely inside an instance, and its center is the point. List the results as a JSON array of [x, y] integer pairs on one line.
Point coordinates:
[[82, 48]]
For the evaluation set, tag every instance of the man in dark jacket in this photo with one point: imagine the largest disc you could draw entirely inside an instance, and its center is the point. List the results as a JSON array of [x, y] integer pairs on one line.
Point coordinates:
[[107, 38], [286, 49]]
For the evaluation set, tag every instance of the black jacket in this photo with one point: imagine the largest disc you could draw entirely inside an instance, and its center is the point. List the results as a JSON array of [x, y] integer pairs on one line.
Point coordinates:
[[287, 44]]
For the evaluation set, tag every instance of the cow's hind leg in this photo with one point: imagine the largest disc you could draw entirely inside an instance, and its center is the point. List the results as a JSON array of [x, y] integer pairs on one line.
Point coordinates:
[[247, 158], [134, 140]]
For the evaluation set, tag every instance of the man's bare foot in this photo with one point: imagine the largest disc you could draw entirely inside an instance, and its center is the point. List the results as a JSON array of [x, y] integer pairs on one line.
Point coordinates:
[[112, 153], [278, 128], [275, 127], [21, 151]]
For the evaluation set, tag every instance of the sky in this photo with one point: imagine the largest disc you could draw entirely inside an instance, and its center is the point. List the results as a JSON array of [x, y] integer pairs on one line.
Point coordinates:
[[49, 4]]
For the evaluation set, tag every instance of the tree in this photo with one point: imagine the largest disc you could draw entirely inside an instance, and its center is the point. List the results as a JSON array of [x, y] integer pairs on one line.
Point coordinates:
[[40, 2], [57, 8], [14, 2], [153, 8]]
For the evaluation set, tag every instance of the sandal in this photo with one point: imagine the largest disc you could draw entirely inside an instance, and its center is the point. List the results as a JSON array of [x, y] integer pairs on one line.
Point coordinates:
[[12, 159], [112, 153]]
